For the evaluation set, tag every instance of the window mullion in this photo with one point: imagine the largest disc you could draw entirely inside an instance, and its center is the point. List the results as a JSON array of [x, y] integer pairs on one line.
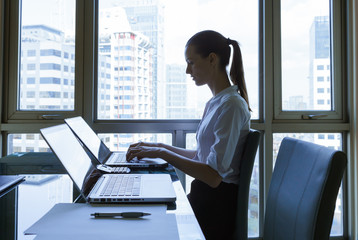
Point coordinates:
[[88, 37]]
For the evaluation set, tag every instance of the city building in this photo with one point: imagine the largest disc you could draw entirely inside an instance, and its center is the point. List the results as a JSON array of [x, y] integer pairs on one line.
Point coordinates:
[[147, 17], [47, 69], [177, 97]]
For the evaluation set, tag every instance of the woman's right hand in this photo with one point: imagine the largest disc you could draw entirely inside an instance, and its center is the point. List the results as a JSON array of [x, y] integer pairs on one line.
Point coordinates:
[[138, 145]]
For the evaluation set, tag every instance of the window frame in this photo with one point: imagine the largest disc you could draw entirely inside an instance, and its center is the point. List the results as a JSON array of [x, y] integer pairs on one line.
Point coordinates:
[[338, 112], [13, 114]]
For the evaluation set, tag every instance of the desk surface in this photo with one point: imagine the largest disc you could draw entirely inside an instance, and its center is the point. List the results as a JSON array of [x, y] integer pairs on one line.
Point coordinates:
[[47, 163]]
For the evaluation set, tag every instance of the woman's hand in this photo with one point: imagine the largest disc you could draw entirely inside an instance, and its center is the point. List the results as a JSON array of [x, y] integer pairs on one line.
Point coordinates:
[[141, 150], [148, 144]]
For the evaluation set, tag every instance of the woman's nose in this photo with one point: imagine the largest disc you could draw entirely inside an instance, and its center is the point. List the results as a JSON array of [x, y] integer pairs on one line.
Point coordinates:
[[188, 70]]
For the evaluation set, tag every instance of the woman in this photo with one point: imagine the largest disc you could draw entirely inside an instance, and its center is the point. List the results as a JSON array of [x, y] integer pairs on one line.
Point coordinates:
[[220, 134]]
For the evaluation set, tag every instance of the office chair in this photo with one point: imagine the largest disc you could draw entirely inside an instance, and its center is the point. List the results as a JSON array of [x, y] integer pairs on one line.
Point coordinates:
[[247, 163], [303, 191]]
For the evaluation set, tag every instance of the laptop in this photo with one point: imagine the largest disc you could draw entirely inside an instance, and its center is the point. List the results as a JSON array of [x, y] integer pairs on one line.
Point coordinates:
[[102, 153], [9, 182], [94, 185]]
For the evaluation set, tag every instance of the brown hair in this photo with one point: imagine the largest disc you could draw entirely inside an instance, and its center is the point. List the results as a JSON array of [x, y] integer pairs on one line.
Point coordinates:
[[209, 41]]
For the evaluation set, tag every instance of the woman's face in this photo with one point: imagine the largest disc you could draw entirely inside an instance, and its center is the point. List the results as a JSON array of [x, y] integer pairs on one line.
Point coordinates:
[[198, 67]]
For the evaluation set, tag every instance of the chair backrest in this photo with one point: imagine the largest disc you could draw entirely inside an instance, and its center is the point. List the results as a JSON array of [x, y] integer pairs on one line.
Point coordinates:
[[303, 191], [246, 165]]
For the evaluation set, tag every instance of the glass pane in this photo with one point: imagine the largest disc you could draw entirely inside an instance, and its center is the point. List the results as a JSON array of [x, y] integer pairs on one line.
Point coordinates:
[[47, 62], [39, 193], [253, 212], [141, 65], [28, 142], [121, 142], [331, 140], [306, 74]]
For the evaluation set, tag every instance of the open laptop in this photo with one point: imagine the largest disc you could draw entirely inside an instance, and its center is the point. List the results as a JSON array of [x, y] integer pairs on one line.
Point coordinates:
[[9, 182], [102, 153], [93, 184]]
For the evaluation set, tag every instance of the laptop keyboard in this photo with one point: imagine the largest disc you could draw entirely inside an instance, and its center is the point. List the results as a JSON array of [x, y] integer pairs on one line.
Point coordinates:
[[117, 158], [127, 185]]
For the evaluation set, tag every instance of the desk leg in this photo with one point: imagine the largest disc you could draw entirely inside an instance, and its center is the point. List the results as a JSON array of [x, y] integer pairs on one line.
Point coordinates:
[[8, 216]]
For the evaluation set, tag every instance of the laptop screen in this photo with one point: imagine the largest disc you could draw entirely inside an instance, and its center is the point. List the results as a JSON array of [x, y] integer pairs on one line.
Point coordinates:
[[89, 138], [73, 157]]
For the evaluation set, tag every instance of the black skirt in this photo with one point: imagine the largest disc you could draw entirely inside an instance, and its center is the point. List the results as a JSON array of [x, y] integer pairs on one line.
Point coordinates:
[[215, 208]]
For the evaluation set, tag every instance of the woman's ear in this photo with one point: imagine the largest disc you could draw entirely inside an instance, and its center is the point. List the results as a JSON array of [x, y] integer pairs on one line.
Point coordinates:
[[213, 59]]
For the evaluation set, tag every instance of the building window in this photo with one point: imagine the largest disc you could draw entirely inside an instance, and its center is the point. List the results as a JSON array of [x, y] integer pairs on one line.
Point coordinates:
[[320, 79], [30, 80], [50, 52], [31, 66], [320, 67], [31, 53], [320, 90], [50, 66]]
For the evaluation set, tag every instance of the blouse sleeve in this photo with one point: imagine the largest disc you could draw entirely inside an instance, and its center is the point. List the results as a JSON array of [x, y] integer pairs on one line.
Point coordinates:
[[231, 118]]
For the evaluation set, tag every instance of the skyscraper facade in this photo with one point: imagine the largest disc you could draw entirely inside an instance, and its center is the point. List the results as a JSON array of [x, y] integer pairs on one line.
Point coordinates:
[[47, 69], [320, 81], [177, 93], [147, 17]]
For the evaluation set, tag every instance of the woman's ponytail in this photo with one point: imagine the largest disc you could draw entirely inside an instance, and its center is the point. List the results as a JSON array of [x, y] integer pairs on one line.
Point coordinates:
[[237, 71]]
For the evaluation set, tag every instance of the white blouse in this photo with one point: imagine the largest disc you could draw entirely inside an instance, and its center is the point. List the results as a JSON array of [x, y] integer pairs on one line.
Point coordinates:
[[222, 132]]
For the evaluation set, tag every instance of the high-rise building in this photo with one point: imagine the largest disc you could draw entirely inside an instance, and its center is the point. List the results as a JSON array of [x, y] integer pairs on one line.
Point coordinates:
[[177, 93], [128, 85], [147, 17], [320, 82], [47, 69], [125, 74]]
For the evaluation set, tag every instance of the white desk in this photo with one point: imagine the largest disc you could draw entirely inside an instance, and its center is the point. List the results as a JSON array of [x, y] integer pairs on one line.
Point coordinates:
[[72, 221], [188, 226]]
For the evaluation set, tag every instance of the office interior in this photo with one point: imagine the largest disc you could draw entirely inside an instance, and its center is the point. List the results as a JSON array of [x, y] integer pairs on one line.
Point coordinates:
[[25, 110]]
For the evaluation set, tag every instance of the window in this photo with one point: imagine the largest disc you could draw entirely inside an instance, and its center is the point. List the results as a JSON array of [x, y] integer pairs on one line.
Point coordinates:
[[30, 80], [306, 60], [51, 35], [31, 53], [320, 67], [49, 80], [50, 52], [50, 66], [320, 90], [320, 101], [320, 79], [137, 59], [31, 66]]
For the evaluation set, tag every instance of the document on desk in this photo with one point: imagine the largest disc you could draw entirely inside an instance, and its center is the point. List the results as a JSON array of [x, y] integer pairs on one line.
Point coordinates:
[[74, 221]]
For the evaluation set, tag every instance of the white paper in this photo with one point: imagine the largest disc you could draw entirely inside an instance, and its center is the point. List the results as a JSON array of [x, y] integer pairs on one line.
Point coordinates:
[[73, 221]]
